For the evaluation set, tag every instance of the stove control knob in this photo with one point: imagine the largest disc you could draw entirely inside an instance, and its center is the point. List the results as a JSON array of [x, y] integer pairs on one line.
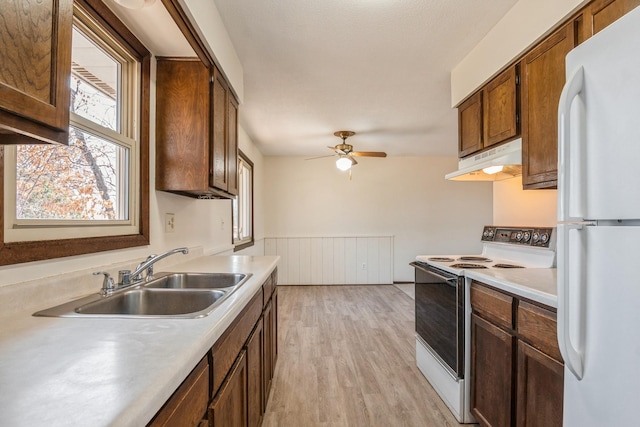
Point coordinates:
[[485, 233], [536, 236], [526, 236], [491, 232], [519, 236], [544, 237]]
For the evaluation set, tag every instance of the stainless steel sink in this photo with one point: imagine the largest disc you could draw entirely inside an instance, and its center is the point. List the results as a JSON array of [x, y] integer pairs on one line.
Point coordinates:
[[197, 280], [169, 295], [144, 302]]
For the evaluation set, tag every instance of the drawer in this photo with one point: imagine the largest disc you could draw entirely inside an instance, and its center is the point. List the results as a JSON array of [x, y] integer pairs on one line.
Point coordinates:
[[538, 326], [491, 304]]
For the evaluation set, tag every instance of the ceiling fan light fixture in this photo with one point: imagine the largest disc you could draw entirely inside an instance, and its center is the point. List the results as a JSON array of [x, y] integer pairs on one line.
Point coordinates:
[[344, 163]]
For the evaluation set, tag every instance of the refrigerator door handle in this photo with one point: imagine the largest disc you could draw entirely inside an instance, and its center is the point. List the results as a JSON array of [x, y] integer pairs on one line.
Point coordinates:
[[573, 357], [570, 91]]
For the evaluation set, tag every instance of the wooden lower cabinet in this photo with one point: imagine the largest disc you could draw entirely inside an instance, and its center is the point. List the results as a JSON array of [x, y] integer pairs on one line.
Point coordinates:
[[540, 386], [255, 376], [188, 405], [229, 407], [492, 370], [517, 374]]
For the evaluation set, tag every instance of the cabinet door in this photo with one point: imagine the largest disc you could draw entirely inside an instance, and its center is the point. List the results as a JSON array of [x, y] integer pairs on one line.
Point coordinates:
[[232, 145], [274, 331], [491, 373], [269, 363], [601, 13], [540, 388], [36, 65], [470, 125], [500, 107], [543, 75], [219, 146], [182, 125], [229, 407], [255, 375]]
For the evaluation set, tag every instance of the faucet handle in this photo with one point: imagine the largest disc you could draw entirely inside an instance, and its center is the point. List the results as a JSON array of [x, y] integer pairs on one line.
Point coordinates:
[[107, 283]]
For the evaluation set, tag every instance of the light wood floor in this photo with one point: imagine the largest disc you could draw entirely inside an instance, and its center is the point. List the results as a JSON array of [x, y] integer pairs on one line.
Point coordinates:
[[347, 358]]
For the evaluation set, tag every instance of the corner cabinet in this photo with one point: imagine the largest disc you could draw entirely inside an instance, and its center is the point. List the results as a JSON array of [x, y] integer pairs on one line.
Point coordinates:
[[517, 373], [543, 77], [491, 115], [36, 65], [196, 130]]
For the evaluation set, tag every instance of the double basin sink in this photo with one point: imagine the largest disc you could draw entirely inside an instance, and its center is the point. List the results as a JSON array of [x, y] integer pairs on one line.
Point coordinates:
[[168, 295]]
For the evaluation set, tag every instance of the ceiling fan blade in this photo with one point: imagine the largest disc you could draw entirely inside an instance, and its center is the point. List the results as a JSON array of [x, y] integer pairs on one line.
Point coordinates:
[[368, 154], [353, 161], [337, 150], [321, 157]]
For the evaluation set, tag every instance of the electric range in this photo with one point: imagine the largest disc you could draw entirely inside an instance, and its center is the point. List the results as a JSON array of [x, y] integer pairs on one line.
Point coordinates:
[[443, 310]]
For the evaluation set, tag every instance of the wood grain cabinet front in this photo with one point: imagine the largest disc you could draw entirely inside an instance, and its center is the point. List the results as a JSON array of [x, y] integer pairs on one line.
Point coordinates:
[[490, 116], [229, 407], [599, 14], [543, 77], [196, 130], [36, 66], [517, 374]]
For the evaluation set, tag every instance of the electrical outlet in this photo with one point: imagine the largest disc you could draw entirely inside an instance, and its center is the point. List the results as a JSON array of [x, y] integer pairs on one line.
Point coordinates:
[[364, 265], [169, 223]]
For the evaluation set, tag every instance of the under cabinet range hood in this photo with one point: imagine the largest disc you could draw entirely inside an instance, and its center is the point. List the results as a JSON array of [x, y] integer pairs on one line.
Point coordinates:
[[496, 164]]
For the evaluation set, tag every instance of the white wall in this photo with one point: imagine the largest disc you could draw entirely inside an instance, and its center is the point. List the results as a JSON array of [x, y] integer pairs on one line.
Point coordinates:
[[526, 22], [514, 206], [404, 197]]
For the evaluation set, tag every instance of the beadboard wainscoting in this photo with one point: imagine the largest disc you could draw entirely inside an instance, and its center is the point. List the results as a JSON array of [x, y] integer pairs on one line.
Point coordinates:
[[332, 260]]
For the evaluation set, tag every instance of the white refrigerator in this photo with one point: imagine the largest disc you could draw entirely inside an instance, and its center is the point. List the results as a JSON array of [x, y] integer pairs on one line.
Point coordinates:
[[598, 245]]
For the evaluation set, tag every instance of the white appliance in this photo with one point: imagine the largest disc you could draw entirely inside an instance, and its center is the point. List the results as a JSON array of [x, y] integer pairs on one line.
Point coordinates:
[[598, 243], [443, 324]]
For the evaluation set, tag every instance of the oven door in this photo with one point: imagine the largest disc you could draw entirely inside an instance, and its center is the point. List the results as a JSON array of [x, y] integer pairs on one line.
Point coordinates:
[[440, 315]]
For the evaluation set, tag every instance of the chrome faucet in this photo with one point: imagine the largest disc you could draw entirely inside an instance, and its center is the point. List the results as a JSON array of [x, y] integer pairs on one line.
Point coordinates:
[[126, 277]]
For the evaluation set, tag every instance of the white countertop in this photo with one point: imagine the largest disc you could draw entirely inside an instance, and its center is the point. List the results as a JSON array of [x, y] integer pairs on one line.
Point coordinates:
[[536, 284], [118, 372]]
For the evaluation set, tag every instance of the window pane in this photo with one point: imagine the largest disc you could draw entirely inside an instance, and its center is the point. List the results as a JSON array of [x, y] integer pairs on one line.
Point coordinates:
[[84, 181], [94, 82]]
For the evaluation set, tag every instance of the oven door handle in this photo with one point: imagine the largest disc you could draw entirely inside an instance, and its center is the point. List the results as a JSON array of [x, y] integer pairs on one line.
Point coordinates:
[[452, 280]]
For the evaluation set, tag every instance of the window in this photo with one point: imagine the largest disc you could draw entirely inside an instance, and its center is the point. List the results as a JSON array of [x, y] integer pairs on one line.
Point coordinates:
[[243, 205], [91, 195]]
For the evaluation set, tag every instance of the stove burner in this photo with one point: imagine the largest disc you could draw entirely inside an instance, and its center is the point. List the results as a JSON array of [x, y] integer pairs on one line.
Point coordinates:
[[507, 266], [467, 265], [474, 258], [441, 259]]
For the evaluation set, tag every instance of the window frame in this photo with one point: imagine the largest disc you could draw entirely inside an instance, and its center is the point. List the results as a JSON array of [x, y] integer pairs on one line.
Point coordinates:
[[246, 243], [27, 251]]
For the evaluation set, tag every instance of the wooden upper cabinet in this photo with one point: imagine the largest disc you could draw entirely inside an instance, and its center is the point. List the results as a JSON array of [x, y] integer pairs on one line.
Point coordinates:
[[490, 116], [543, 77], [470, 125], [501, 107], [601, 13], [196, 130], [35, 70], [182, 125]]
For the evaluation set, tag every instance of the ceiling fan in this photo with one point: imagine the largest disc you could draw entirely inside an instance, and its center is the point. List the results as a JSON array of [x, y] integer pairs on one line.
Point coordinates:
[[345, 152]]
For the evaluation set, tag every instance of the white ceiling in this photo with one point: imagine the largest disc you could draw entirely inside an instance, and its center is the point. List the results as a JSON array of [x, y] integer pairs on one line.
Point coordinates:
[[376, 67]]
